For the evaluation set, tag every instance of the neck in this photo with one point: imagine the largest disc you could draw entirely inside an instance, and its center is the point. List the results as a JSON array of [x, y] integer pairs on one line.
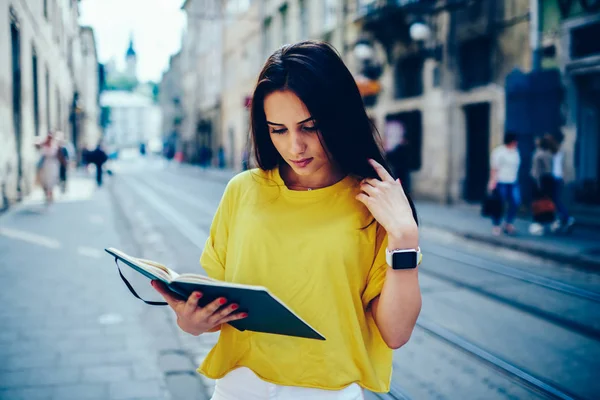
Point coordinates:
[[320, 179]]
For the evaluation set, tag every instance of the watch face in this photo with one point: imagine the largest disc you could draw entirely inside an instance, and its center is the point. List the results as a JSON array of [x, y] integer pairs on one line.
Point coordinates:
[[406, 260]]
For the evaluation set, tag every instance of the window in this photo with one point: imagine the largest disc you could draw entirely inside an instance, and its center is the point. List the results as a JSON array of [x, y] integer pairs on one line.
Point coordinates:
[[36, 100], [409, 77], [303, 20], [48, 122], [581, 43], [475, 63], [267, 37], [70, 54], [329, 14], [46, 9], [283, 13], [58, 111]]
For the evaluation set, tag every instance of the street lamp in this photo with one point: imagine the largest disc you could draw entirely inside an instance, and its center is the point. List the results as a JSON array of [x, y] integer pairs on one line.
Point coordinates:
[[370, 69], [419, 31]]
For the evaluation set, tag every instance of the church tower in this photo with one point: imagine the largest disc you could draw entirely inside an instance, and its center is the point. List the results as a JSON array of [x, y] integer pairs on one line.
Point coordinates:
[[131, 61]]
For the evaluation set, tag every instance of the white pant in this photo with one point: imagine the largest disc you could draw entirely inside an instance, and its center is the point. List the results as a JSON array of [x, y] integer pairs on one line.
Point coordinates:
[[243, 384]]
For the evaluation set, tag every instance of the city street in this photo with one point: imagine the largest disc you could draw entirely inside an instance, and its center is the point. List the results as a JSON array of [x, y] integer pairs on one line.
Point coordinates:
[[495, 324]]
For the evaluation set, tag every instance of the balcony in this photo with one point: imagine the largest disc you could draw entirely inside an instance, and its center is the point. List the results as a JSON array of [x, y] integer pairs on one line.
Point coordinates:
[[381, 9]]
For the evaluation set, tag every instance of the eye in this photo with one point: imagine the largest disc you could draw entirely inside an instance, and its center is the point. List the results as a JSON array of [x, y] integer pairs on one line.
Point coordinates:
[[278, 131], [310, 128]]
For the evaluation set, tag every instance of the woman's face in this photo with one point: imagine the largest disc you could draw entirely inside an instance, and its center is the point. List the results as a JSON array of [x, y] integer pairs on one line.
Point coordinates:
[[295, 135]]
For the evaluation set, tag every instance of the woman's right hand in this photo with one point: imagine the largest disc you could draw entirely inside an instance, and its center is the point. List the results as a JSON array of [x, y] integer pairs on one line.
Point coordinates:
[[194, 319]]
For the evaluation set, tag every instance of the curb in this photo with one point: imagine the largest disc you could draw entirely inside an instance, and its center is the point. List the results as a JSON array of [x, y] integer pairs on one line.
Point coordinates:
[[579, 260]]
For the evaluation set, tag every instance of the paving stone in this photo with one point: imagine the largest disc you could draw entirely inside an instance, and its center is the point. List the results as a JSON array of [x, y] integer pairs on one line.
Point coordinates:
[[106, 373], [28, 393], [135, 389], [87, 391]]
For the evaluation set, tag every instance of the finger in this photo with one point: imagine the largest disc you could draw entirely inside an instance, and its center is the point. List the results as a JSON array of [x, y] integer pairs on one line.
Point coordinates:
[[213, 306], [191, 304], [371, 181], [383, 174], [169, 297], [233, 317], [223, 313], [363, 198], [368, 189]]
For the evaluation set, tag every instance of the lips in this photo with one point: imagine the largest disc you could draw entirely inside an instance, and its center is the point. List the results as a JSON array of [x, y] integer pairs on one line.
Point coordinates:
[[302, 163]]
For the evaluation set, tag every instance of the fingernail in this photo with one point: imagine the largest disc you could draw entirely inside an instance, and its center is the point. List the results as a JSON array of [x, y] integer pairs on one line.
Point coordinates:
[[152, 283], [198, 294], [222, 300], [243, 315], [234, 306]]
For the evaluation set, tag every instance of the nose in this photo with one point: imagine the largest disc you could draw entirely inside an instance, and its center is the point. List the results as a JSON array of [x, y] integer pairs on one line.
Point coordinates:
[[298, 144]]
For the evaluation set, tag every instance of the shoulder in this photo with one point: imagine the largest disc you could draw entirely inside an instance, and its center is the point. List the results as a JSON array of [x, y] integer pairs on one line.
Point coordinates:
[[248, 180]]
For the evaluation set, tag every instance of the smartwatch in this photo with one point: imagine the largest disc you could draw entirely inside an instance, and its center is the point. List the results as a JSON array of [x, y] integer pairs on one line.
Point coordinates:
[[403, 259]]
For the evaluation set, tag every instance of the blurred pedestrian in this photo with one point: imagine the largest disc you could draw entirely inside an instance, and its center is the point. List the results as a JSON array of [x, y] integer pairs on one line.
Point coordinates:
[[564, 222], [324, 225], [98, 157], [64, 154], [543, 207], [504, 174], [48, 167]]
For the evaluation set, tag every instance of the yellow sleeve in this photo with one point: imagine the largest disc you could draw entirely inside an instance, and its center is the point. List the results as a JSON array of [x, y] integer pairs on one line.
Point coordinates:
[[214, 255], [376, 276]]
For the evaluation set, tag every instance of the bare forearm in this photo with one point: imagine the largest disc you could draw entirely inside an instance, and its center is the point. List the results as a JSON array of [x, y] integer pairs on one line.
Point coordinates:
[[398, 306]]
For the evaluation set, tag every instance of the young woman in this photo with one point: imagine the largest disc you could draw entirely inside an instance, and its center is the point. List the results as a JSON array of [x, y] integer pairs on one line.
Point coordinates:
[[48, 167], [312, 224]]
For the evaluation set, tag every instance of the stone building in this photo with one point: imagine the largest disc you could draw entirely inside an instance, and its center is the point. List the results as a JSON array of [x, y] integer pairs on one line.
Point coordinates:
[[201, 66], [444, 69], [569, 43], [39, 90]]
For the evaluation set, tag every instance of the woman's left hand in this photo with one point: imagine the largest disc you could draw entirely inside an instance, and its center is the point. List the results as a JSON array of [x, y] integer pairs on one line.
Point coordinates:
[[387, 202]]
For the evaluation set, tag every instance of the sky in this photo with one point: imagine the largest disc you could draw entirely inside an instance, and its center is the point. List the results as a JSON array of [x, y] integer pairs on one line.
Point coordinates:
[[156, 26]]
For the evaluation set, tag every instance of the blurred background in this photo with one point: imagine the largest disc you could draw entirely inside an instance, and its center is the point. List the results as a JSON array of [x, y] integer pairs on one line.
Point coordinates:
[[147, 102]]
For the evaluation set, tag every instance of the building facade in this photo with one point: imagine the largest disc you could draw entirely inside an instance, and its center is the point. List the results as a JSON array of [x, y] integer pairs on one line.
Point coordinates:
[[242, 61], [201, 75], [170, 101], [135, 119], [39, 87], [570, 32]]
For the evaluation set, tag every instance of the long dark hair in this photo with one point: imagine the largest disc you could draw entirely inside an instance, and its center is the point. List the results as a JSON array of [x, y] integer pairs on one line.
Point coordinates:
[[315, 72]]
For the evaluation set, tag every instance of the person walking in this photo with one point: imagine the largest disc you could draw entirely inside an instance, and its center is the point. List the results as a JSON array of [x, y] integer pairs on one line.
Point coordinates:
[[325, 226], [543, 184], [564, 222], [504, 174], [98, 157], [48, 167]]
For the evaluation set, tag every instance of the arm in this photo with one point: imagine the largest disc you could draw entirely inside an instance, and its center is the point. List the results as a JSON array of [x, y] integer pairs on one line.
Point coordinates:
[[397, 307]]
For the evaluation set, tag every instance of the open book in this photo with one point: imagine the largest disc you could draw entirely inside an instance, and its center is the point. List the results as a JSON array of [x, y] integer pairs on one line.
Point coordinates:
[[266, 313]]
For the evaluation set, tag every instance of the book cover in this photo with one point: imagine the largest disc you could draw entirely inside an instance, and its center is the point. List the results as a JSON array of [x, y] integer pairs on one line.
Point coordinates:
[[266, 313]]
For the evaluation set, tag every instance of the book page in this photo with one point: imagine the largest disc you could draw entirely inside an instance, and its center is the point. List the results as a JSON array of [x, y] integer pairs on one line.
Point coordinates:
[[172, 274]]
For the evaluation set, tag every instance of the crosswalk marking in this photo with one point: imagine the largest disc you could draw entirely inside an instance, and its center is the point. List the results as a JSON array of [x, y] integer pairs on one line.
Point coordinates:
[[29, 237], [89, 252]]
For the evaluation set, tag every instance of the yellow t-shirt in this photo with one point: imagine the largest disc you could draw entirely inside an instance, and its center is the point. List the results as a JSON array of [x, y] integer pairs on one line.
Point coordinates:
[[308, 249]]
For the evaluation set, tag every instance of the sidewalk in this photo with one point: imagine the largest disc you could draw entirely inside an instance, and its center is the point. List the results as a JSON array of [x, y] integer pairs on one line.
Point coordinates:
[[70, 328], [581, 247]]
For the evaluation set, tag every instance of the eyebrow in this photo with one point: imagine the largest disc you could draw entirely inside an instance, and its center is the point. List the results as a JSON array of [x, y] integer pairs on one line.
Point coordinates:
[[301, 122]]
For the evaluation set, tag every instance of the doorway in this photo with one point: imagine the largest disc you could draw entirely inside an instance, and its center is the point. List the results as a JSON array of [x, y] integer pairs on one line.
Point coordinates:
[[15, 40], [403, 139], [588, 137], [477, 123]]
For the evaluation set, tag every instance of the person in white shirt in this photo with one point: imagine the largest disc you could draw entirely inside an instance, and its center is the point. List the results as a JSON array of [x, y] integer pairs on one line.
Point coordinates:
[[504, 173]]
